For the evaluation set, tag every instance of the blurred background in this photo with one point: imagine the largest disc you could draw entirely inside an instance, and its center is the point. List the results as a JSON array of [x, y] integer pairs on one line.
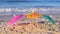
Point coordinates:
[[28, 3], [9, 8]]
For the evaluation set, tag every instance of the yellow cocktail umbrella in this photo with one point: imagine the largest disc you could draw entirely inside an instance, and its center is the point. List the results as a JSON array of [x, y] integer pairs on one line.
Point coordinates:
[[33, 15]]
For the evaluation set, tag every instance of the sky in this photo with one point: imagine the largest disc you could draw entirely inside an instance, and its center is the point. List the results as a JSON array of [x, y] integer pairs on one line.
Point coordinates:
[[28, 3], [29, 0]]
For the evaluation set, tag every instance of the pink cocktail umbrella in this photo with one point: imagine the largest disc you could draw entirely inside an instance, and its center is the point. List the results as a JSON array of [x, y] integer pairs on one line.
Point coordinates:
[[15, 19]]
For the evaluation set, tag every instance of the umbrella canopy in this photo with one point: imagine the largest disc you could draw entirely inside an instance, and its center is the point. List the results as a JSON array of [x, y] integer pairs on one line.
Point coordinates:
[[15, 19], [49, 19], [32, 15]]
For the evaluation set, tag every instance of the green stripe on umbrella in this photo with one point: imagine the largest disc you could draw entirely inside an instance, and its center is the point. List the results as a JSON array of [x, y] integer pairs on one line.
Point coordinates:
[[50, 19]]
